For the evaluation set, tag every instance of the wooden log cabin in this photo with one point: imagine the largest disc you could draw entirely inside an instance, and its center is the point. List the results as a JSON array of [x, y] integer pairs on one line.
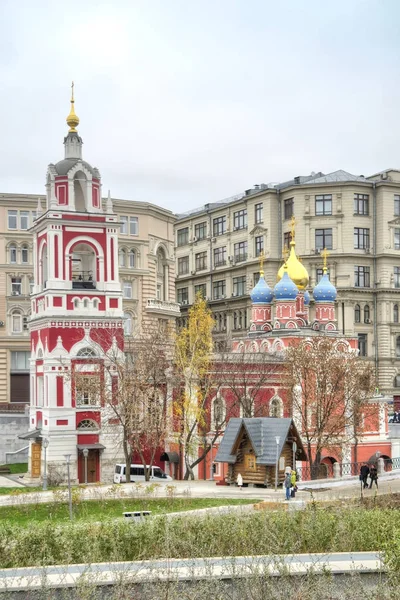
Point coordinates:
[[250, 448]]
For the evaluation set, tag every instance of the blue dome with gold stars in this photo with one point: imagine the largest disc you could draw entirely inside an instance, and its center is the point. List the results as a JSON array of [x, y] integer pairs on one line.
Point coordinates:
[[286, 289], [306, 298], [262, 293], [325, 291]]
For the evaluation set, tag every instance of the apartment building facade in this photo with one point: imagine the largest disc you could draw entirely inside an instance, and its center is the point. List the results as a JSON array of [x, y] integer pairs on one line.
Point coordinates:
[[356, 218], [146, 270]]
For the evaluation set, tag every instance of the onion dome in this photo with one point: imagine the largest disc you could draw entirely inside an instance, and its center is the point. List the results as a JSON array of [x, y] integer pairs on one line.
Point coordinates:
[[262, 293], [296, 270], [285, 289], [306, 298], [325, 291]]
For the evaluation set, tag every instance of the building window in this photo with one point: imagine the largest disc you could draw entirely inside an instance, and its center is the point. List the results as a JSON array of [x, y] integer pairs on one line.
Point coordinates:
[[259, 244], [218, 289], [124, 225], [127, 323], [275, 407], [16, 286], [240, 251], [397, 381], [367, 314], [258, 213], [323, 239], [183, 265], [24, 255], [183, 295], [239, 286], [31, 286], [362, 344], [396, 277], [398, 346], [240, 219], [20, 361], [323, 204], [361, 277], [288, 207], [397, 238], [219, 256], [357, 314], [201, 289], [16, 322], [396, 205], [12, 253], [12, 219], [256, 278], [361, 204], [287, 238], [132, 259], [361, 238], [200, 231], [122, 258], [218, 413], [127, 289], [201, 261], [24, 219], [183, 236], [219, 225], [133, 226], [396, 313]]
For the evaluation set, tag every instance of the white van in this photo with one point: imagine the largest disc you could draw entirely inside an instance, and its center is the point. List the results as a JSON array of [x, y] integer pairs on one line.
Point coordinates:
[[137, 474]]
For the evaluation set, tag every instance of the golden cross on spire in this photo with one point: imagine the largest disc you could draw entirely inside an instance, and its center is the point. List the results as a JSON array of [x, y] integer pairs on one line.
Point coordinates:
[[261, 257], [72, 119], [292, 231], [72, 92], [325, 255], [285, 253]]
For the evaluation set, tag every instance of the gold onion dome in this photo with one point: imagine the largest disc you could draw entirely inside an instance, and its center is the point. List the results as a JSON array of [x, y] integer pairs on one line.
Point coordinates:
[[72, 119], [295, 269]]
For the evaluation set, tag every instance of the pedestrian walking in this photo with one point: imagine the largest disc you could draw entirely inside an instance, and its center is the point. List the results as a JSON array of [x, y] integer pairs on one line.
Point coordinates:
[[239, 481], [364, 472], [373, 475], [288, 485]]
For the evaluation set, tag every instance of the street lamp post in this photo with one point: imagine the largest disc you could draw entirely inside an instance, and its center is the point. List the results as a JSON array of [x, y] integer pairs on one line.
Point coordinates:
[[45, 445], [277, 439], [85, 453], [68, 460]]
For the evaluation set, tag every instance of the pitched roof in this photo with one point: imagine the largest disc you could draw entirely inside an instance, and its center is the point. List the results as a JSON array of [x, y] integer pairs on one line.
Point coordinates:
[[337, 176], [262, 433]]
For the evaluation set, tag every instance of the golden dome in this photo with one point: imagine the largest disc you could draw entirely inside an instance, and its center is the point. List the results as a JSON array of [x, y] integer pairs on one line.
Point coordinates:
[[296, 270], [72, 119]]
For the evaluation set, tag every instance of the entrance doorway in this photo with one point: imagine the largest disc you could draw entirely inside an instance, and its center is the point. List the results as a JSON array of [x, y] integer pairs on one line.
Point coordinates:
[[93, 466]]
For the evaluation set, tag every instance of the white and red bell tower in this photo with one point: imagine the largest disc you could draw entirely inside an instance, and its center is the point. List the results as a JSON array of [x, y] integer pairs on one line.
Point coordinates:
[[76, 313]]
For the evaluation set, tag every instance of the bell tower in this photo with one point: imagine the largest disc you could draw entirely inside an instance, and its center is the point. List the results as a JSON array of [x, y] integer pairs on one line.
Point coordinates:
[[76, 312]]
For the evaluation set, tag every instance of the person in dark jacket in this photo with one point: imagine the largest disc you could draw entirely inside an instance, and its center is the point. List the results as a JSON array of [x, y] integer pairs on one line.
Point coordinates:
[[373, 475], [364, 472]]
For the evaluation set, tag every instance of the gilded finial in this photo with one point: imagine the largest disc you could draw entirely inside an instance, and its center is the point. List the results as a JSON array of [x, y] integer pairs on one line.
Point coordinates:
[[293, 226], [285, 253], [261, 257], [72, 119], [325, 255]]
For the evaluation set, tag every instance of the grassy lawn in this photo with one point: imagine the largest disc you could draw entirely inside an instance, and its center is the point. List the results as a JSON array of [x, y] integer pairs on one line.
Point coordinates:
[[103, 510], [17, 468]]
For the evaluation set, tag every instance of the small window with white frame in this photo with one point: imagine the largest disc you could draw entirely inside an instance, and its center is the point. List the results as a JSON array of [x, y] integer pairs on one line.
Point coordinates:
[[124, 225], [127, 289], [24, 255], [16, 286], [24, 219], [133, 226], [12, 219], [12, 252], [16, 322]]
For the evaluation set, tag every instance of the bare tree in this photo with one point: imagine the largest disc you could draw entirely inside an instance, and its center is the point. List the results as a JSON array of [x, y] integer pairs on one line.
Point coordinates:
[[328, 386]]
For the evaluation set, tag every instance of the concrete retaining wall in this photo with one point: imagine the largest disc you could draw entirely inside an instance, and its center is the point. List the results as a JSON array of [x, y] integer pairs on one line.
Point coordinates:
[[11, 426]]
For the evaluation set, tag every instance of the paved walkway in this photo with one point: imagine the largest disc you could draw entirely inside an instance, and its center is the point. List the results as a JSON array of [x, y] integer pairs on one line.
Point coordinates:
[[9, 482]]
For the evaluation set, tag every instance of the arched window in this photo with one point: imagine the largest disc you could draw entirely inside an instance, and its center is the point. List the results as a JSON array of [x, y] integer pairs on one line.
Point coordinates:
[[76, 303], [162, 274], [366, 313], [86, 303], [127, 323], [12, 249], [122, 258], [398, 345], [357, 314], [219, 410], [88, 424], [235, 320], [132, 259], [25, 255], [275, 407], [86, 353], [16, 322], [396, 313]]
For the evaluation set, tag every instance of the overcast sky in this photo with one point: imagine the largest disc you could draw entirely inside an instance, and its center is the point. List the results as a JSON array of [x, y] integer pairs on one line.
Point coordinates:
[[183, 103]]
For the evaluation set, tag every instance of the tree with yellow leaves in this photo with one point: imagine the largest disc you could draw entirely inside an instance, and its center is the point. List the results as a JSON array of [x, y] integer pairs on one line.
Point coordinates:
[[193, 368]]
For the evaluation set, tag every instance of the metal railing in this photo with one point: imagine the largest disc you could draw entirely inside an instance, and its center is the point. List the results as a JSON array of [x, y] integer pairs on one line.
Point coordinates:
[[83, 280], [351, 469]]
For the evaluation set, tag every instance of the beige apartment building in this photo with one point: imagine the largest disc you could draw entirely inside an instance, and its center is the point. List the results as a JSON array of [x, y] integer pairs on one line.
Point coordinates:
[[146, 267], [356, 218]]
